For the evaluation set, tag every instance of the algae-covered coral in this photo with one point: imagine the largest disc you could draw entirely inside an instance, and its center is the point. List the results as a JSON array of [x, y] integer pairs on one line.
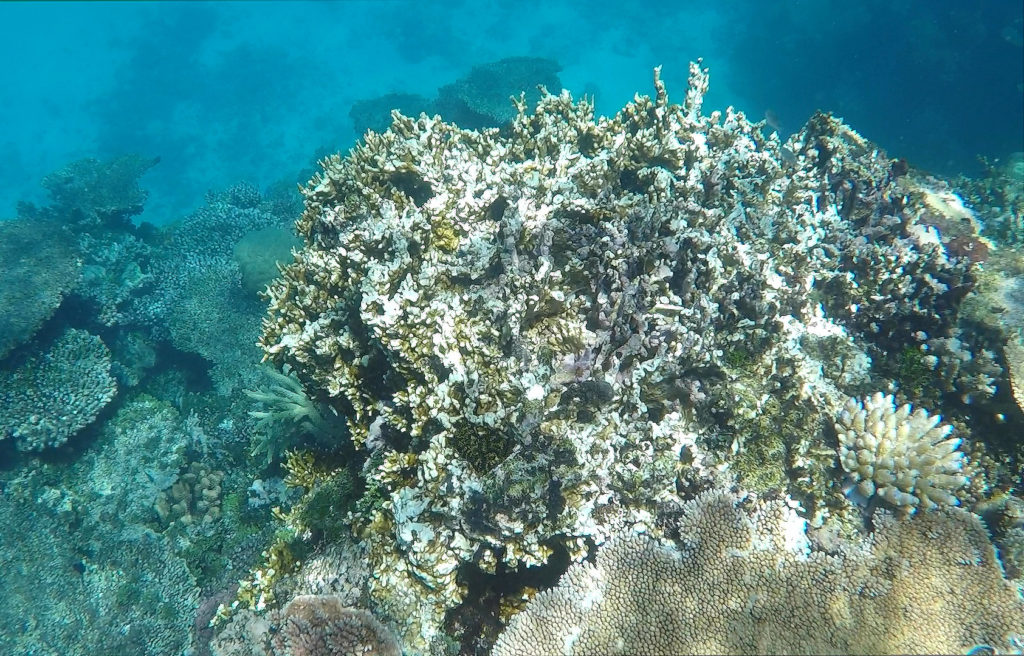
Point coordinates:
[[543, 334]]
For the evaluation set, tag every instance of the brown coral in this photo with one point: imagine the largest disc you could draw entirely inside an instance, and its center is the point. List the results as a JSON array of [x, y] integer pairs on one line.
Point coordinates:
[[318, 625], [748, 581]]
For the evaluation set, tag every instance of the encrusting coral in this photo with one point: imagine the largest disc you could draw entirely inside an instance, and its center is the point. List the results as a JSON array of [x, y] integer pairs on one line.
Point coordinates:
[[745, 579], [542, 334]]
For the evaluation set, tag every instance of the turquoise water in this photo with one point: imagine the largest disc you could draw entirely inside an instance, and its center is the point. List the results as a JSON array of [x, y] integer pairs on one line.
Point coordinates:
[[385, 411], [223, 92]]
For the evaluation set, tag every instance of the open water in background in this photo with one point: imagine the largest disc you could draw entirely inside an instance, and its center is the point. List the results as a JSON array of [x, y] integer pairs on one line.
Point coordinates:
[[229, 91]]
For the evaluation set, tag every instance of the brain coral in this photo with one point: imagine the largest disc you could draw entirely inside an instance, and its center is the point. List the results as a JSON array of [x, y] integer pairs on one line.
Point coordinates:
[[53, 393], [900, 454], [745, 580], [529, 330]]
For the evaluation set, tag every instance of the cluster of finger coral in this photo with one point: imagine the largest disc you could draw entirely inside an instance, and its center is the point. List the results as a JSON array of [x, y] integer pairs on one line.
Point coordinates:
[[903, 456], [745, 579], [55, 390], [532, 332]]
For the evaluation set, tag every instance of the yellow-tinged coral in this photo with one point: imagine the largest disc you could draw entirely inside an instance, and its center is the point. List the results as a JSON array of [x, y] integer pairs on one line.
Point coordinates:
[[530, 331]]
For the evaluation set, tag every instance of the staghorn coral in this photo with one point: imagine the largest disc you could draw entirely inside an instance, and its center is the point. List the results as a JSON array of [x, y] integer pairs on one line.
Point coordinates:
[[745, 579], [544, 333], [901, 455], [54, 391]]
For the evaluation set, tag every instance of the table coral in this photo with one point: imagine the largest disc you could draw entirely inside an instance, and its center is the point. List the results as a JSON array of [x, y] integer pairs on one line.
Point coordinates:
[[744, 579], [40, 267], [55, 390], [542, 333]]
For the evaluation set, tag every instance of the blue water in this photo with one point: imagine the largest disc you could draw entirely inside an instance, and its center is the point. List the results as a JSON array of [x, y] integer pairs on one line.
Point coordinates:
[[252, 91], [149, 157]]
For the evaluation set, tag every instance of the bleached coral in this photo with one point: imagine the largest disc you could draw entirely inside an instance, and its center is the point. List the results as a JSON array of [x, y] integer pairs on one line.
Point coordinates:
[[539, 334], [746, 580], [902, 455]]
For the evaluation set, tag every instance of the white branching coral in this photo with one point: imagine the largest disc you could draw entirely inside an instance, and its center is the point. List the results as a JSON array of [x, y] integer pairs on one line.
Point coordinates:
[[899, 455], [748, 580]]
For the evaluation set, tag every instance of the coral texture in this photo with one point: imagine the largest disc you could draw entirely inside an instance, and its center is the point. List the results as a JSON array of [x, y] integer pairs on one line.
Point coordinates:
[[543, 333], [72, 585], [55, 391], [308, 625], [37, 274], [746, 580], [902, 455], [198, 302], [315, 625]]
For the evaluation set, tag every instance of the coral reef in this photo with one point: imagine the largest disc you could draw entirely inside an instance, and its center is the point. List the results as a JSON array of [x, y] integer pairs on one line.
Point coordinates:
[[259, 254], [86, 587], [309, 625], [998, 197], [318, 625], [54, 391], [92, 194], [745, 579], [481, 98], [544, 333], [902, 455], [288, 414], [199, 303]]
